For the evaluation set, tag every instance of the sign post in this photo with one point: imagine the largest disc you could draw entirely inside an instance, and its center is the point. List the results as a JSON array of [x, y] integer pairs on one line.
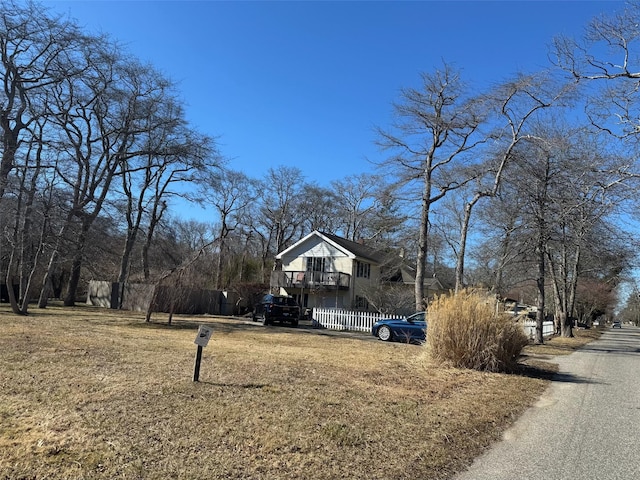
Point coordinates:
[[202, 339]]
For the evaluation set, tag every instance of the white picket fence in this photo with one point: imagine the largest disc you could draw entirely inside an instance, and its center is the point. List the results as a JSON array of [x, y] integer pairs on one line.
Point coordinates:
[[340, 319], [530, 328], [350, 320]]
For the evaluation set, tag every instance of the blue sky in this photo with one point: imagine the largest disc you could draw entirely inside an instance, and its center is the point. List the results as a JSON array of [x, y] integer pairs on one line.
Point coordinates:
[[304, 83]]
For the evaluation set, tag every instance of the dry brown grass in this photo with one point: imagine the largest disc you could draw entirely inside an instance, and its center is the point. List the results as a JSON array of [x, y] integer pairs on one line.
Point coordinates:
[[94, 394], [564, 346]]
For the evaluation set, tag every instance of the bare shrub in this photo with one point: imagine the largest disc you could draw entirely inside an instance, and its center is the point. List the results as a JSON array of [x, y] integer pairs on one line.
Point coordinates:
[[465, 331], [390, 299]]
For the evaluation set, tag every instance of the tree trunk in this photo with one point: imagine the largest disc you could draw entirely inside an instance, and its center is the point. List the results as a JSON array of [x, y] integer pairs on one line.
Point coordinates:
[[74, 280], [421, 257], [540, 302], [28, 281], [10, 146], [13, 301], [573, 286], [123, 276], [76, 267], [11, 266], [219, 264], [556, 278], [46, 281], [562, 289], [463, 243], [505, 244], [172, 308], [157, 212], [145, 261], [147, 317], [43, 299]]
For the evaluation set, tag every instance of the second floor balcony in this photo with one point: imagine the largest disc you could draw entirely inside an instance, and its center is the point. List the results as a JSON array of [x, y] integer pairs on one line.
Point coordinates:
[[310, 280]]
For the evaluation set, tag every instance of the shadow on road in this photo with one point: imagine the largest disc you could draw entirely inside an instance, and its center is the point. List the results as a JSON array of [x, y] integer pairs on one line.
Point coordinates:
[[569, 378], [621, 342]]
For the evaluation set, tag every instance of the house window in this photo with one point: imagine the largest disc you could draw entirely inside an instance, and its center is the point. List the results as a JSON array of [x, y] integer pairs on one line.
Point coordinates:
[[316, 264], [361, 303], [363, 270]]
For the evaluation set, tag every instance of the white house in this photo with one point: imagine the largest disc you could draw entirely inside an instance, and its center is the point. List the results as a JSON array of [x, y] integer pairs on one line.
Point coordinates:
[[324, 270]]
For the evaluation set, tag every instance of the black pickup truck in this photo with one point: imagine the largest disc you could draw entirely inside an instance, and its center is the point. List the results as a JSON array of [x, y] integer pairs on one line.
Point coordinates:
[[277, 308]]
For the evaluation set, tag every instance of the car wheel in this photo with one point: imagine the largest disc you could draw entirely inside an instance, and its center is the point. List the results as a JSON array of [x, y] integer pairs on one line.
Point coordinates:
[[294, 323], [384, 333]]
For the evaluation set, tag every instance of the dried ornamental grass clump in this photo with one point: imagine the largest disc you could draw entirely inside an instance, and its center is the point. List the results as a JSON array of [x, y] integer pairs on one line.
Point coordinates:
[[465, 331]]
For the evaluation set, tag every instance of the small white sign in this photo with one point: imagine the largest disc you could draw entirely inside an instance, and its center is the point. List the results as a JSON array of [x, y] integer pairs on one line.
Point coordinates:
[[204, 334]]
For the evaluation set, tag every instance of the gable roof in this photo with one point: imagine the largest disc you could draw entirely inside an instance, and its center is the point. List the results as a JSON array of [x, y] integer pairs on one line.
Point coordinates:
[[407, 275], [360, 250], [352, 249]]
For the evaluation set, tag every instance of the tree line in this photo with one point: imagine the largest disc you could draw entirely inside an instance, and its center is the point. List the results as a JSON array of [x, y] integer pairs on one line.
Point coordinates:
[[526, 188]]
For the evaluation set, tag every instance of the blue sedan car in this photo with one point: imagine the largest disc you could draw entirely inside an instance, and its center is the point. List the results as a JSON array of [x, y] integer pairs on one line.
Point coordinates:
[[412, 328]]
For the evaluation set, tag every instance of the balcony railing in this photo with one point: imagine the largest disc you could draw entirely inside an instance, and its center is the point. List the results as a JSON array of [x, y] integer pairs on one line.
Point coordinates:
[[298, 279]]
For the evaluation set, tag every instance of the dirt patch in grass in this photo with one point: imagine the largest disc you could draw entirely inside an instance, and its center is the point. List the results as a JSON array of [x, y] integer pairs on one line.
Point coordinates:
[[99, 394]]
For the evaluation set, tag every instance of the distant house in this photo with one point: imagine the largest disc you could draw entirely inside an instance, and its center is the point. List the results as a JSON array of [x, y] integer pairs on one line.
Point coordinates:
[[324, 270], [515, 308]]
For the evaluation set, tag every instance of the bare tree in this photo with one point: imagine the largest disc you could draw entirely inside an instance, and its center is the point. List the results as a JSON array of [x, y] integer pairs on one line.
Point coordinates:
[[517, 101], [567, 186], [630, 311], [98, 118], [539, 171], [116, 123], [31, 218], [176, 280], [356, 197], [606, 60], [231, 193], [171, 155], [438, 128], [596, 185], [89, 114], [190, 160], [319, 206], [279, 218], [501, 258], [36, 53]]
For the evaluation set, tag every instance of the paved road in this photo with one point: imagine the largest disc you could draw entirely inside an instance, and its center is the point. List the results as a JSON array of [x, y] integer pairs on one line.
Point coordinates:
[[587, 424]]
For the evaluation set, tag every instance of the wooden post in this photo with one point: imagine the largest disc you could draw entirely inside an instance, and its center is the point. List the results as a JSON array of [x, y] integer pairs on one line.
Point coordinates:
[[196, 368], [202, 339]]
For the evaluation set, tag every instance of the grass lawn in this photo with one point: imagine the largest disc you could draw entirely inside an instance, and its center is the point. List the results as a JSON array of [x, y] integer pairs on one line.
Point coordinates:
[[87, 393]]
